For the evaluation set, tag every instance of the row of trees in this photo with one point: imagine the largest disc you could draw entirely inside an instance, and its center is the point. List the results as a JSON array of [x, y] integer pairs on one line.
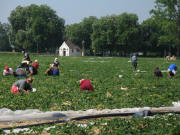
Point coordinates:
[[122, 34], [38, 28]]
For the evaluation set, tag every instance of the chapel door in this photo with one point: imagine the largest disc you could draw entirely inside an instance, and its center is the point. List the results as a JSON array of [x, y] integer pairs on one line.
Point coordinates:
[[64, 52]]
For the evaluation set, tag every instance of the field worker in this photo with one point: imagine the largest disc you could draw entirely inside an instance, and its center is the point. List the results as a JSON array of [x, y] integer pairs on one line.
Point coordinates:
[[85, 84], [25, 63], [52, 70], [55, 71], [56, 62], [49, 71], [157, 72], [26, 56], [22, 85], [8, 71], [31, 70], [20, 72], [134, 61], [172, 70], [35, 64]]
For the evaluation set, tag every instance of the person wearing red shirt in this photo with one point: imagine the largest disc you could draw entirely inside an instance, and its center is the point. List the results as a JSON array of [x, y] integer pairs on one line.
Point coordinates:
[[35, 64], [86, 85]]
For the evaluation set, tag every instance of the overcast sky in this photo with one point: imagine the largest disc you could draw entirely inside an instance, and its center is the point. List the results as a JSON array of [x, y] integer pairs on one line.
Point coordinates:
[[73, 11]]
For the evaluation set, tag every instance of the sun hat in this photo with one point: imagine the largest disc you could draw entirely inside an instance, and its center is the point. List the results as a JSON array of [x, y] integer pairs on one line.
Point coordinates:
[[6, 67], [81, 80]]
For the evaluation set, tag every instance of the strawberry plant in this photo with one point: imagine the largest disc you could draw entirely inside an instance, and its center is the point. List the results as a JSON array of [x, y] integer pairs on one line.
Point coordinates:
[[133, 89]]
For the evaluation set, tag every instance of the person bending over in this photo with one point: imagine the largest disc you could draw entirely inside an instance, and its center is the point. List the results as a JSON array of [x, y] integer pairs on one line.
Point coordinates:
[[56, 62], [8, 71], [172, 70], [35, 64], [157, 72], [22, 85], [85, 84]]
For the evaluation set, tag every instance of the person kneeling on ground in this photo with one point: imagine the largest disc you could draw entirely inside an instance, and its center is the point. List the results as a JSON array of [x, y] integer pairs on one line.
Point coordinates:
[[20, 72], [8, 71], [31, 70], [157, 72], [35, 64], [52, 70], [22, 85], [172, 70], [56, 63], [26, 56], [86, 85], [55, 71]]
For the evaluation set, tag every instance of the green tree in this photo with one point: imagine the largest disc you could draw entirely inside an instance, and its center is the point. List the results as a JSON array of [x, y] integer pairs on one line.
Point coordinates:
[[103, 36], [150, 34], [74, 33], [81, 32], [4, 40], [116, 34], [127, 34], [36, 28], [168, 11]]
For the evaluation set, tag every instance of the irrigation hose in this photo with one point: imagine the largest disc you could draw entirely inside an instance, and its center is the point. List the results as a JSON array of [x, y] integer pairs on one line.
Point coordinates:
[[86, 118]]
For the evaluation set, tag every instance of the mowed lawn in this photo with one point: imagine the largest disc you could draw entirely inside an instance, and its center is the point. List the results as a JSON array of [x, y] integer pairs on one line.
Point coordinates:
[[134, 89]]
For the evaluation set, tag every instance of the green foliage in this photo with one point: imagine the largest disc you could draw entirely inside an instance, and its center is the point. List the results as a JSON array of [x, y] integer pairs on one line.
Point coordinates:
[[81, 32], [4, 41], [127, 34], [168, 13], [36, 28], [167, 124], [116, 33], [103, 34], [53, 92], [150, 34], [63, 92]]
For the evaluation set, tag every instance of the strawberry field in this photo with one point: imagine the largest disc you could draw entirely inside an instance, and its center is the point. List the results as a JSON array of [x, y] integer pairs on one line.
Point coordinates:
[[133, 89]]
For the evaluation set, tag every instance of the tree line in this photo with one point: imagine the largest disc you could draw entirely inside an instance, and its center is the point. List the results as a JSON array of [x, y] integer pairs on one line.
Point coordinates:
[[39, 29]]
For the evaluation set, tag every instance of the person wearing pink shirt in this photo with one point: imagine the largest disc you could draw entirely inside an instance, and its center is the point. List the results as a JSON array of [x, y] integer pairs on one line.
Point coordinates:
[[86, 85], [35, 64], [8, 71]]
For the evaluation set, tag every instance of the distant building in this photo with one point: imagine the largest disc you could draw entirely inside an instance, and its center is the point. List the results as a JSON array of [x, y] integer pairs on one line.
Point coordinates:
[[69, 49]]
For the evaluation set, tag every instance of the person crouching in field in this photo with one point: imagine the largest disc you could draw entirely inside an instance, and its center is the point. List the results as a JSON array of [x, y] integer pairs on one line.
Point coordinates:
[[52, 70], [86, 85], [26, 56], [172, 70], [56, 62], [22, 85], [157, 72], [20, 72], [35, 64], [26, 60], [30, 70], [134, 61], [8, 71]]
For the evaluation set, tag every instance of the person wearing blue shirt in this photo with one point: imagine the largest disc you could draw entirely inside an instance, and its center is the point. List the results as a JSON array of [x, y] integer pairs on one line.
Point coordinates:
[[172, 70], [134, 61]]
